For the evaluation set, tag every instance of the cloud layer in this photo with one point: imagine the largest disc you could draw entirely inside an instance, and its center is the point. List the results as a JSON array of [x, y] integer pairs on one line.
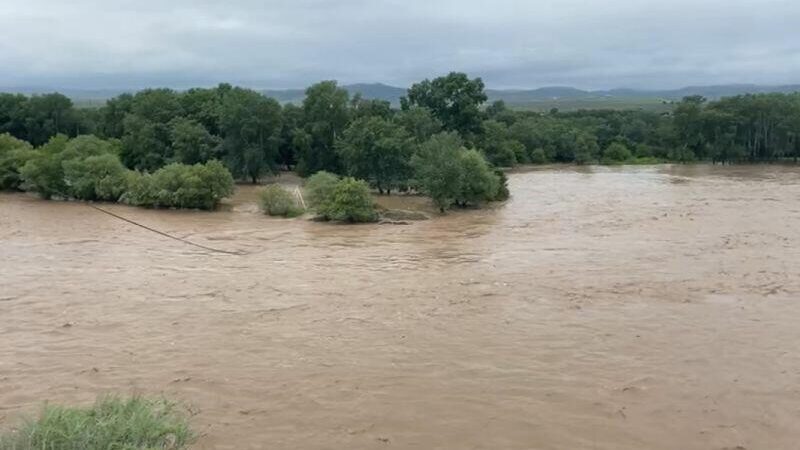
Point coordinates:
[[587, 44]]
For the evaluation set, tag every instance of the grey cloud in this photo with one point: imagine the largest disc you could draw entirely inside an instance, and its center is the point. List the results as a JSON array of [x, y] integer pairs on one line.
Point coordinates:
[[587, 44]]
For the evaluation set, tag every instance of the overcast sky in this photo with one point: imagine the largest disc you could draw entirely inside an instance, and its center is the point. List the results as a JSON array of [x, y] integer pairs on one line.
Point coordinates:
[[280, 44]]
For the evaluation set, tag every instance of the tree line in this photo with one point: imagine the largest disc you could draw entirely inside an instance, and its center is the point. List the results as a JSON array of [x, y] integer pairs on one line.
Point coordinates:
[[443, 140]]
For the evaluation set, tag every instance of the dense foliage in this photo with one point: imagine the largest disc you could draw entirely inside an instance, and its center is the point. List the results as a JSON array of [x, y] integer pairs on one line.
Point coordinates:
[[199, 186], [452, 175], [89, 168], [319, 189], [340, 199], [350, 201], [14, 153], [432, 144]]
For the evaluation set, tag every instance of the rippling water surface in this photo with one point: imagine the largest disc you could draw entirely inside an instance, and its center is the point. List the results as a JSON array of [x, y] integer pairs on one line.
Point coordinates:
[[599, 308]]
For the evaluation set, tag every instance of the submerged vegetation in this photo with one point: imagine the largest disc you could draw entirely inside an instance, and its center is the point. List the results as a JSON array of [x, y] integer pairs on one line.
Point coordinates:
[[89, 168], [199, 186], [340, 199], [275, 200], [134, 423], [164, 148]]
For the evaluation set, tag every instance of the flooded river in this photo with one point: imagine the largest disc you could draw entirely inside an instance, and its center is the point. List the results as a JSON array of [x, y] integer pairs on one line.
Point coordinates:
[[599, 308]]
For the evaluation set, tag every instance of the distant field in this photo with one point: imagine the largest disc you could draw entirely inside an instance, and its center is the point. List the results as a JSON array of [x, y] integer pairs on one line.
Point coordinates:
[[647, 104]]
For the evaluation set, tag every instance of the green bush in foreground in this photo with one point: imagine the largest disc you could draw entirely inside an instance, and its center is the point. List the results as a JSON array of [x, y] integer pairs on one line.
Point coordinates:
[[111, 423], [199, 186], [277, 201], [351, 202]]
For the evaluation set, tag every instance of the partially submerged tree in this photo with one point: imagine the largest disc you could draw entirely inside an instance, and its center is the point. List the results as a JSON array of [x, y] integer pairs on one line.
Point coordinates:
[[350, 202]]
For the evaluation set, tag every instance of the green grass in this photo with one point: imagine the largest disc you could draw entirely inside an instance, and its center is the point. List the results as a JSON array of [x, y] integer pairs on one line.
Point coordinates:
[[112, 423]]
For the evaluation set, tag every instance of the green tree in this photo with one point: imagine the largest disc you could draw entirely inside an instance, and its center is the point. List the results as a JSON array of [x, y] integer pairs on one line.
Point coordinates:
[[251, 127], [56, 169], [48, 115], [14, 153], [326, 113], [156, 105], [377, 150], [204, 106], [538, 156], [586, 148], [319, 188], [689, 127], [191, 142], [145, 144], [97, 177], [360, 107], [349, 202], [438, 169], [419, 122], [478, 182], [291, 146], [616, 153], [13, 108], [496, 144], [453, 99], [112, 116], [198, 186]]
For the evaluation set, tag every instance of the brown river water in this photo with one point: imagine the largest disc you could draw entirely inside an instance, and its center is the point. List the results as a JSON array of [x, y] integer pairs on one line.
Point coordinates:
[[599, 308]]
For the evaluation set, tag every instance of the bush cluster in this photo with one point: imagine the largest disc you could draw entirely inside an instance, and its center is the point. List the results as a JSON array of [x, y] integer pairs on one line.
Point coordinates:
[[175, 185], [89, 168], [14, 153], [277, 201], [340, 199], [453, 175]]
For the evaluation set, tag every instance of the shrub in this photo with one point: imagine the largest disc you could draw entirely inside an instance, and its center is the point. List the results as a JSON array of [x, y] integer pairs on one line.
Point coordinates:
[[520, 153], [350, 202], [616, 153], [176, 185], [100, 177], [643, 151], [478, 182], [538, 156], [502, 186], [111, 423], [14, 153], [92, 162], [319, 188], [277, 201], [503, 156]]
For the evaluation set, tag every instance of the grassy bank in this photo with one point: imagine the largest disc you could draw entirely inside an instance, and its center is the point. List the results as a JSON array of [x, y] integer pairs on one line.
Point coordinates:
[[134, 423]]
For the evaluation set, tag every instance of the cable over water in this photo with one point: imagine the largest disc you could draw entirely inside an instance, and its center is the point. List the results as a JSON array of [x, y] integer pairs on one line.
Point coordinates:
[[185, 241]]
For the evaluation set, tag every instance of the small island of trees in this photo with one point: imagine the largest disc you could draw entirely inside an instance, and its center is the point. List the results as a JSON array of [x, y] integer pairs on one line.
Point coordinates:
[[185, 149]]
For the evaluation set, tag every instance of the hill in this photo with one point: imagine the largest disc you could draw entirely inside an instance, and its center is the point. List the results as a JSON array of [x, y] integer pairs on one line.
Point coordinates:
[[564, 98]]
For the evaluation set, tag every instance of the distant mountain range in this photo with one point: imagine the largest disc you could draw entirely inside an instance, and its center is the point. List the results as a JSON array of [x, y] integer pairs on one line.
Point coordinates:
[[546, 94], [541, 97]]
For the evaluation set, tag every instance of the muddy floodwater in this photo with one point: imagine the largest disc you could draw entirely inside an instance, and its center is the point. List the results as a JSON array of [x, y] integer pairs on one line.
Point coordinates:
[[599, 308]]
